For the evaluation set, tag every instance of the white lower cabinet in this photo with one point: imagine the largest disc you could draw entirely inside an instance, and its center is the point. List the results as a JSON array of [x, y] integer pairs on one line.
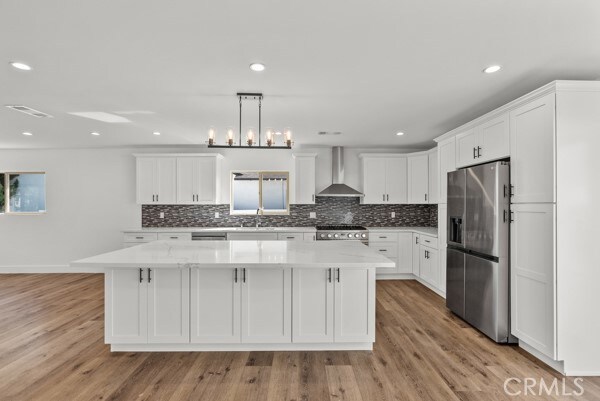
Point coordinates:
[[429, 265], [215, 311], [354, 306], [416, 254], [333, 305], [533, 276], [266, 305], [312, 305], [147, 306]]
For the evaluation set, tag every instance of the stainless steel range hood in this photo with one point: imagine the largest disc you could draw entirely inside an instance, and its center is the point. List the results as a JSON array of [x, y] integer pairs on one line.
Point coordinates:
[[338, 188]]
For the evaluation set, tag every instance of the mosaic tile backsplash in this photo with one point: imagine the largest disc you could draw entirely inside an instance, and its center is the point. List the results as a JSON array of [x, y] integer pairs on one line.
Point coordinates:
[[329, 211]]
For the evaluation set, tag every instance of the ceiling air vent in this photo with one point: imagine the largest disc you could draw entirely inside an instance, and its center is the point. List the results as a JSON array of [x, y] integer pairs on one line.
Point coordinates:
[[329, 133], [29, 110]]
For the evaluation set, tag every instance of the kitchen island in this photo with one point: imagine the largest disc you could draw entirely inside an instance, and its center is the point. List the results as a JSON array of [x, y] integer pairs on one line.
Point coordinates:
[[239, 295]]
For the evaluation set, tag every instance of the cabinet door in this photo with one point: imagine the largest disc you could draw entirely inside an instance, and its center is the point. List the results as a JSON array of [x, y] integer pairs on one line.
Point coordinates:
[[447, 163], [493, 139], [533, 276], [126, 305], [532, 148], [354, 305], [186, 190], [266, 305], [215, 313], [312, 306], [416, 255], [442, 236], [146, 180], [433, 178], [396, 180], [205, 179], [305, 180], [424, 265], [466, 148], [429, 265], [168, 305], [166, 180], [418, 179], [405, 257], [374, 181]]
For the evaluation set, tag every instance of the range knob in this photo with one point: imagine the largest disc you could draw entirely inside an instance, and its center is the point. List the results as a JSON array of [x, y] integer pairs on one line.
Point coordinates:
[[364, 235], [322, 235], [336, 235], [328, 235], [350, 235], [356, 235]]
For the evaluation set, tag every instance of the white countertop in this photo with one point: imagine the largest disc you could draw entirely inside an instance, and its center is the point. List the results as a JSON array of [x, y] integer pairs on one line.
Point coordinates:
[[432, 231], [221, 229], [303, 254]]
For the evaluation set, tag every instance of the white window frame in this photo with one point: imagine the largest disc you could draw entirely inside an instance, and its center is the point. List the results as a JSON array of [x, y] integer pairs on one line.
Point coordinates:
[[6, 210]]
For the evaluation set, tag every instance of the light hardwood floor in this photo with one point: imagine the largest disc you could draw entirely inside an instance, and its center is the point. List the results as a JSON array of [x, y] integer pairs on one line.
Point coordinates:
[[51, 348]]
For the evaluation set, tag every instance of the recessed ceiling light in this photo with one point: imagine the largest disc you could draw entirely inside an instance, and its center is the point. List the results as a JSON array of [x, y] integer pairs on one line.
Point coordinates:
[[258, 67], [95, 133], [492, 68], [156, 133], [20, 66], [27, 133], [399, 133]]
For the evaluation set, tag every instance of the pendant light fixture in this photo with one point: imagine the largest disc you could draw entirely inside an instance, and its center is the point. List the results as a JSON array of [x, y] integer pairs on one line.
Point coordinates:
[[253, 139]]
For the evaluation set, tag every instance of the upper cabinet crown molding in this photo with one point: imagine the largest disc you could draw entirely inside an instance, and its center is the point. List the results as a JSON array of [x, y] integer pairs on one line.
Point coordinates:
[[296, 155], [217, 155], [391, 155]]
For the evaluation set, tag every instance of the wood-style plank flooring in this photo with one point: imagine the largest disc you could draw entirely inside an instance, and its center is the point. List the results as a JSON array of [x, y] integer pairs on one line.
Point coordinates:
[[51, 348]]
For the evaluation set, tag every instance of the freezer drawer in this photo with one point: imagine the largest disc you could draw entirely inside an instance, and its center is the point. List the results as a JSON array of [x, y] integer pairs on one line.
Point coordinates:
[[455, 281], [486, 296]]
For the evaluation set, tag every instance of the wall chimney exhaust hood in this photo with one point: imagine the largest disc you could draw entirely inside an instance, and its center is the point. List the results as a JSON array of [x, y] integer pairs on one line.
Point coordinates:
[[338, 188]]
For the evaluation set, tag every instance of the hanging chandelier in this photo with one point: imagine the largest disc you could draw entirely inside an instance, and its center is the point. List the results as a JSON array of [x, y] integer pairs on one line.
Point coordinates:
[[253, 139]]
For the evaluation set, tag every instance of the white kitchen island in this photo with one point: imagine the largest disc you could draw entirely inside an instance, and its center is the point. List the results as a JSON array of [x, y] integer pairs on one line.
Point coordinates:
[[240, 295]]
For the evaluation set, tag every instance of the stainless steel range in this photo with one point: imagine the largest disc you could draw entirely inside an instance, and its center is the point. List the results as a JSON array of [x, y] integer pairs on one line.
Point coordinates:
[[343, 232]]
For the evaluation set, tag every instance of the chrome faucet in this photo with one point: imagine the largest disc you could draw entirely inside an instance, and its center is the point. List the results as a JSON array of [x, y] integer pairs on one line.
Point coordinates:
[[257, 217]]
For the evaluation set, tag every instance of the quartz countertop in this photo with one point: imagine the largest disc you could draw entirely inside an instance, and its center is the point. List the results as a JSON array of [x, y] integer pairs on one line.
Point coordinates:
[[256, 254], [222, 229], [432, 231]]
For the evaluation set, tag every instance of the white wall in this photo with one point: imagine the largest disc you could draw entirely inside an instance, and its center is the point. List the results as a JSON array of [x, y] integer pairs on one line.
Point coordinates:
[[91, 198]]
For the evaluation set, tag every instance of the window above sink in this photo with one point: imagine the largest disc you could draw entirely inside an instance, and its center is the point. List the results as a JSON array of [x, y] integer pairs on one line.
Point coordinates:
[[260, 192]]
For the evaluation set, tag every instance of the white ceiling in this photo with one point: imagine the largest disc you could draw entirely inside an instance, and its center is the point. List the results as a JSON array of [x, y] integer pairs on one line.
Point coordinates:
[[366, 68]]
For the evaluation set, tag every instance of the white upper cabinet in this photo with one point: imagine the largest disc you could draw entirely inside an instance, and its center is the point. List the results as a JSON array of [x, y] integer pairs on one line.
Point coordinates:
[[485, 142], [433, 176], [305, 177], [446, 163], [198, 180], [418, 179], [178, 179], [156, 180], [533, 140], [373, 180], [395, 180]]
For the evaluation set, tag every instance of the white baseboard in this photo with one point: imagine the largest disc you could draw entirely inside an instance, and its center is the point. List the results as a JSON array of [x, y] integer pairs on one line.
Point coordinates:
[[556, 365], [431, 287], [48, 269], [241, 347], [395, 276]]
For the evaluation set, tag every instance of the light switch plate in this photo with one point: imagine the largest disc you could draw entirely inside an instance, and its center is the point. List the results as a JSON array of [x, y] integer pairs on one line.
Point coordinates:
[[162, 215], [393, 215], [216, 215], [313, 215]]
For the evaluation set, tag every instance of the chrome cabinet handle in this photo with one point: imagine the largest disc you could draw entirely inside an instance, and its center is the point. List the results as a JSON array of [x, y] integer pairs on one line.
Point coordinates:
[[149, 275], [141, 275]]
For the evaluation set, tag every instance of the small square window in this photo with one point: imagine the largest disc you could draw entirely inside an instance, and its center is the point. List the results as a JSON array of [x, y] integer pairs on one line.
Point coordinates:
[[26, 192]]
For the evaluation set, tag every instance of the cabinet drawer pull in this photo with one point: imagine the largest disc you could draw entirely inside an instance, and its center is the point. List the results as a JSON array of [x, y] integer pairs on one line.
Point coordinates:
[[427, 240], [139, 237], [290, 237], [382, 237], [174, 237], [383, 250]]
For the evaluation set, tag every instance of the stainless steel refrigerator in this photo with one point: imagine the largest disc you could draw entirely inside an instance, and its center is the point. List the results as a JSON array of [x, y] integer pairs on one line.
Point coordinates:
[[477, 263]]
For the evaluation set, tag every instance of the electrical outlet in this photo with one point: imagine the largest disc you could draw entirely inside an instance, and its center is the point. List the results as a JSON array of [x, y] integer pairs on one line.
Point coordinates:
[[162, 215], [313, 215], [393, 215], [216, 215]]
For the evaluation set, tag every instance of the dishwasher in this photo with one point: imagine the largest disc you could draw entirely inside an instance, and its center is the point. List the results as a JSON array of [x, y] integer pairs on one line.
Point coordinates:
[[209, 236]]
